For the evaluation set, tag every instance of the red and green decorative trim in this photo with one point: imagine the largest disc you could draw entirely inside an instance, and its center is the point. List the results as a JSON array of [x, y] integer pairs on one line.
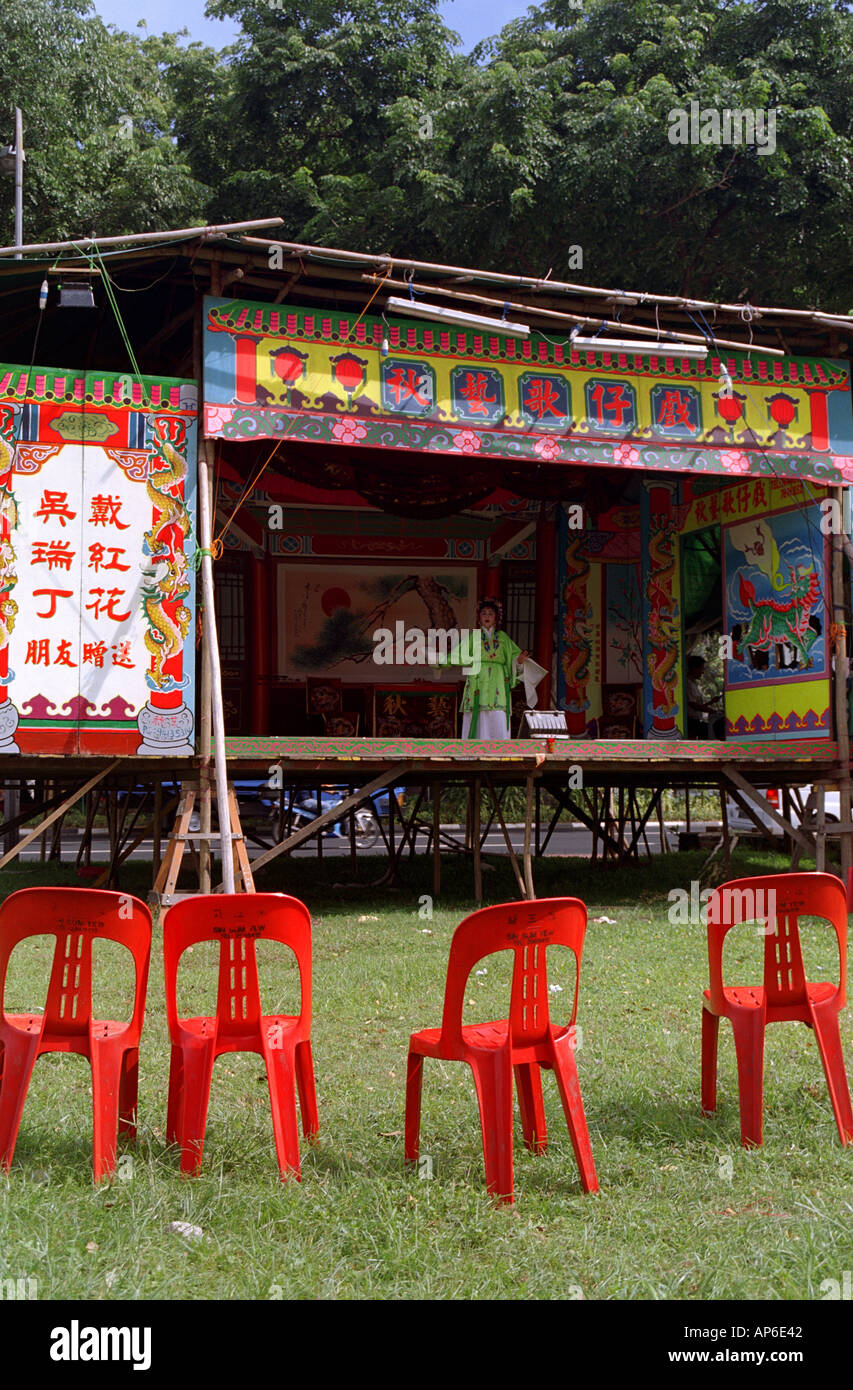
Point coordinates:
[[413, 335], [71, 387]]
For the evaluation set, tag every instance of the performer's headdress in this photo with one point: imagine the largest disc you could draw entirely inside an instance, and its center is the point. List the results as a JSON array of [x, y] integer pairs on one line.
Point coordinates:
[[495, 604]]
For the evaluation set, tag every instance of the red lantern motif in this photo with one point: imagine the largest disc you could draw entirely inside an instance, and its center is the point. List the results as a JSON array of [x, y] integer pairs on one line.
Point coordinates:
[[288, 364], [783, 408], [730, 407], [349, 371]]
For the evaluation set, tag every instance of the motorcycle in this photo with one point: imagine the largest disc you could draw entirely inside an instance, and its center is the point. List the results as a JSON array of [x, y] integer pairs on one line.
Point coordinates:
[[303, 809]]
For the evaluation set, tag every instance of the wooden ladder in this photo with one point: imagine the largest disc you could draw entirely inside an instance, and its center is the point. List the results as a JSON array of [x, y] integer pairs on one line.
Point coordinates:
[[164, 891]]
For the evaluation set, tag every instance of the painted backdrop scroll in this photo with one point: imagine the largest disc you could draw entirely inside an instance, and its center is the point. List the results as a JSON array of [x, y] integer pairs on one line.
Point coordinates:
[[577, 633], [661, 612], [777, 613], [97, 515]]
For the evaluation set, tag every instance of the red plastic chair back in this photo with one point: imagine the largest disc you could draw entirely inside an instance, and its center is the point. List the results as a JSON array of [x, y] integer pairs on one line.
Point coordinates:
[[237, 922], [75, 916], [780, 900], [527, 929]]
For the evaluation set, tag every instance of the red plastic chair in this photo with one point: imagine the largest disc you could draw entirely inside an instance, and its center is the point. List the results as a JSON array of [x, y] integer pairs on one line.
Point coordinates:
[[785, 995], [523, 1043], [76, 917], [237, 921]]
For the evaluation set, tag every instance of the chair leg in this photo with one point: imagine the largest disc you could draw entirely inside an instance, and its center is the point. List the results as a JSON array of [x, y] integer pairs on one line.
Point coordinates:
[[566, 1072], [307, 1091], [106, 1060], [414, 1089], [710, 1038], [493, 1080], [748, 1025], [176, 1090], [828, 1037], [19, 1052], [128, 1094], [528, 1081], [281, 1079], [198, 1062]]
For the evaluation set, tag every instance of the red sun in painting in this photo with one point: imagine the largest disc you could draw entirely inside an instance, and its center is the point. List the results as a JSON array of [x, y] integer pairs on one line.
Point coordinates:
[[334, 599]]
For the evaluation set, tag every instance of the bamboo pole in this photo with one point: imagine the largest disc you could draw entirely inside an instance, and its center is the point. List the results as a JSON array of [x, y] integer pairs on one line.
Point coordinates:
[[820, 832], [205, 789], [212, 712], [216, 229], [561, 317], [842, 732], [475, 842], [157, 827], [206, 699], [507, 839], [436, 839], [524, 282], [212, 646], [528, 817]]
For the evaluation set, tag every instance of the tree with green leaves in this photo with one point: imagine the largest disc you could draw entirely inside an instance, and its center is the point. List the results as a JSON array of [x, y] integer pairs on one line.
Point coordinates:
[[362, 125], [98, 115], [309, 109], [597, 89]]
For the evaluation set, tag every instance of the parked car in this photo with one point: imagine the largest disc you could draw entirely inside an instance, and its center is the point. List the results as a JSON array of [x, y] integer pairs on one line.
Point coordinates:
[[741, 824]]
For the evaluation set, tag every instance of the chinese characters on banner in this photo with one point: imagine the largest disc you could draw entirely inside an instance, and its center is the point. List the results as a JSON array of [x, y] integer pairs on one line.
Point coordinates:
[[413, 385], [97, 593]]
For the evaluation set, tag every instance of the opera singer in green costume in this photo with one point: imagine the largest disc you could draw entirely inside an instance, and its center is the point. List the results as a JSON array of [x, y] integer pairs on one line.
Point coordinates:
[[486, 697]]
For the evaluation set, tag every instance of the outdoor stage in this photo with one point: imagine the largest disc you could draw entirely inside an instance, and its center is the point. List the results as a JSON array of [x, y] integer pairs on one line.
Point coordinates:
[[613, 787]]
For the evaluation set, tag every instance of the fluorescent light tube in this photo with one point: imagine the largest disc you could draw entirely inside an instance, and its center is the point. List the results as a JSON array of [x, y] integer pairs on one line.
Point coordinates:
[[409, 308], [652, 347]]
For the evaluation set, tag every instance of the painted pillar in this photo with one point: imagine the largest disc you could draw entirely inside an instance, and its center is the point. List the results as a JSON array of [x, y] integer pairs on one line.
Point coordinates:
[[575, 628], [260, 697], [546, 563], [8, 607], [245, 370], [661, 612], [819, 419], [166, 724], [485, 575]]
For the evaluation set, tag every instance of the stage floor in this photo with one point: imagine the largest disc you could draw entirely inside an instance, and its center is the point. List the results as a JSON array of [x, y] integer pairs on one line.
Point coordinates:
[[638, 762]]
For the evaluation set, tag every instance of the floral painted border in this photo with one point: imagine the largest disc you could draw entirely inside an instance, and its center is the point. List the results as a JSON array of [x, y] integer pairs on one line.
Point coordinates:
[[651, 751], [238, 422]]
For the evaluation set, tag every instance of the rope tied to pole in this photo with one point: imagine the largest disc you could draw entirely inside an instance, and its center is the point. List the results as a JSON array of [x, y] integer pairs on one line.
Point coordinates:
[[213, 553]]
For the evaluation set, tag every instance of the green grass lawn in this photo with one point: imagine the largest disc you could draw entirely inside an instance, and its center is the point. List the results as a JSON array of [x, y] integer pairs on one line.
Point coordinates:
[[683, 1212]]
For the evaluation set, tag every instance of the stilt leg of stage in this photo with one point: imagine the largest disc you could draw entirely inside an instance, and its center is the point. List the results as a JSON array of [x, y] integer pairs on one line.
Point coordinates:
[[528, 831], [436, 839], [475, 841], [727, 845], [510, 851]]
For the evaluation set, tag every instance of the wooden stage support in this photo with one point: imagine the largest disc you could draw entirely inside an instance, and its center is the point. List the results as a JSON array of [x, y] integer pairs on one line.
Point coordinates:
[[164, 891], [620, 791]]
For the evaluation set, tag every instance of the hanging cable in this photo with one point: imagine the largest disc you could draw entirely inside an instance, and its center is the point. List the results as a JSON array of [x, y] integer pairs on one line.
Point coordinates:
[[121, 326], [368, 304]]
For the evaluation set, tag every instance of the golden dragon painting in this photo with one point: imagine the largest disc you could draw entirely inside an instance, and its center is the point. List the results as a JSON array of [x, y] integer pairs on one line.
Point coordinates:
[[166, 580], [8, 572]]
